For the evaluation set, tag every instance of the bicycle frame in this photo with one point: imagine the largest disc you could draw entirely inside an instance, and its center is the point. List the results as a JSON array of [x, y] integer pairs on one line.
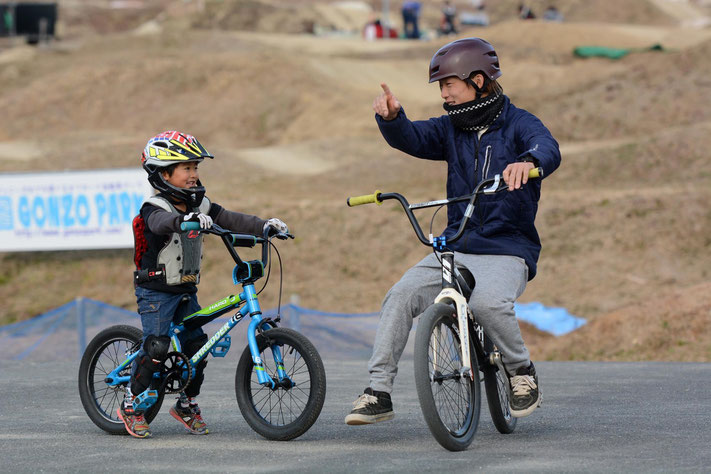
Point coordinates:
[[244, 273], [451, 295], [452, 280]]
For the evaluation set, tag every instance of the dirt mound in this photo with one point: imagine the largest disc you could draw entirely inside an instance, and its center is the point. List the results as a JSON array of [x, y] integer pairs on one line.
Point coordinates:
[[291, 18], [669, 328], [656, 90], [643, 12]]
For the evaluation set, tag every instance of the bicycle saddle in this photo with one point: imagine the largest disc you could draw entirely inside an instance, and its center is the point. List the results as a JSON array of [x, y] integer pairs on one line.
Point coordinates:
[[466, 281]]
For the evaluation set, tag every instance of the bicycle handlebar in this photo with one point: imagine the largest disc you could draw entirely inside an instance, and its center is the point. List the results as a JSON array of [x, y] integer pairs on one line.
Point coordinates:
[[536, 172], [232, 240], [189, 226], [488, 186], [365, 199]]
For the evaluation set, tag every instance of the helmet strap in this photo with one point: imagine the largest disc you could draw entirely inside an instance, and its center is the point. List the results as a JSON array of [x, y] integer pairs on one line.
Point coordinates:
[[479, 90]]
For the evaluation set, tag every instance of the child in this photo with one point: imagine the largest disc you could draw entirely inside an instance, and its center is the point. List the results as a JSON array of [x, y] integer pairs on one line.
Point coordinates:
[[168, 267]]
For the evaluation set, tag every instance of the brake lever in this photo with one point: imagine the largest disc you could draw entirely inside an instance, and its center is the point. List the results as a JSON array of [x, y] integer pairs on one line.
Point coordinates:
[[283, 236], [494, 186]]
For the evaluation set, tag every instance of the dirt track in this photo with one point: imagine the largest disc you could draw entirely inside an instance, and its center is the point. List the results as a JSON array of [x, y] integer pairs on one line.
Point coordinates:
[[623, 221]]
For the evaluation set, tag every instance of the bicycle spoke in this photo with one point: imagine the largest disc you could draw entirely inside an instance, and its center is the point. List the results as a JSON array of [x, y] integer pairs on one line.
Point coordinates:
[[282, 406], [451, 393]]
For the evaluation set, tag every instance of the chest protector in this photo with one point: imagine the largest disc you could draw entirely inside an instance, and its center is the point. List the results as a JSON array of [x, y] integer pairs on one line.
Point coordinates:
[[182, 254]]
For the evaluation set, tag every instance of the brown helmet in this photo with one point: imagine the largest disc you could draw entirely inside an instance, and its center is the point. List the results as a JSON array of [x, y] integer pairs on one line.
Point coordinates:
[[462, 57]]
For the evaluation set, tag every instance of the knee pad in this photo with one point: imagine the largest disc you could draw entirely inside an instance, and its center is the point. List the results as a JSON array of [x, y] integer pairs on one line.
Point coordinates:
[[190, 348], [147, 366], [157, 347]]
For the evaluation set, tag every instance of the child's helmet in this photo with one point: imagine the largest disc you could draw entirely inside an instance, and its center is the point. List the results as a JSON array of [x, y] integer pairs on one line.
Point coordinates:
[[170, 148], [462, 57]]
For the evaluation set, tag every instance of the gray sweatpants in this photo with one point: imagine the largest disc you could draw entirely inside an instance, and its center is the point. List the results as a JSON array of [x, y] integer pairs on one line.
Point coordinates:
[[500, 280]]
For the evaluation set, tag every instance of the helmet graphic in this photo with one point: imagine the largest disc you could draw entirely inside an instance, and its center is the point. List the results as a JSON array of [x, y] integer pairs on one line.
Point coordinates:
[[170, 148], [462, 57]]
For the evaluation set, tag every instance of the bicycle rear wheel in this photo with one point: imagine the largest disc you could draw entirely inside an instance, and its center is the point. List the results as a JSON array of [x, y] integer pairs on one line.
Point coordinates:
[[450, 401], [284, 412], [103, 354], [497, 393]]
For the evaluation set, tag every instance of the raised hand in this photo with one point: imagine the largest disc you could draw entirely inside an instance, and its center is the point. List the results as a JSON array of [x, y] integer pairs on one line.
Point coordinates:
[[386, 104]]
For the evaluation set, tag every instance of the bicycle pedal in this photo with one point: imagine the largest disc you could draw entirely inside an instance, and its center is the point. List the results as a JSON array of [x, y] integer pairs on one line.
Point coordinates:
[[221, 347], [145, 400]]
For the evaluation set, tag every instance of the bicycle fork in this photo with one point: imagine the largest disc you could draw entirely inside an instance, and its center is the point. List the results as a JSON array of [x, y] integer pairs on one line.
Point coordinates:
[[451, 295], [252, 308]]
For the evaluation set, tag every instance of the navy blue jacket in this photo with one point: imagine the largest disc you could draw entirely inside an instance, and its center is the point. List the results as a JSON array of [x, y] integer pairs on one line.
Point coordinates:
[[503, 223]]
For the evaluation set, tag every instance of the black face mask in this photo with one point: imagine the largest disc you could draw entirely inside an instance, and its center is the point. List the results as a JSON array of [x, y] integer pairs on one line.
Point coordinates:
[[192, 197], [476, 114]]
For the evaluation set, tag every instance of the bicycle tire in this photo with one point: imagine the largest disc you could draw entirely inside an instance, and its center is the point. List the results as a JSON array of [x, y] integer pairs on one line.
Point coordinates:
[[102, 355], [283, 413], [450, 404], [497, 393]]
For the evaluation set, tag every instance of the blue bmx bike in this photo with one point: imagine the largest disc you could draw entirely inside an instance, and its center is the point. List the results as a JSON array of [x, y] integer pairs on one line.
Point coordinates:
[[280, 381]]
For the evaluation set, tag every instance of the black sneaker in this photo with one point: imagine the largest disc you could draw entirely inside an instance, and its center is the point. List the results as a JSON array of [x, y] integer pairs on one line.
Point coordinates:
[[371, 407], [525, 394]]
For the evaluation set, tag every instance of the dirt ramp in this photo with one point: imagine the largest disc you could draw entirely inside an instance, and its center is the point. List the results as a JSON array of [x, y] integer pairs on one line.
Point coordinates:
[[666, 328]]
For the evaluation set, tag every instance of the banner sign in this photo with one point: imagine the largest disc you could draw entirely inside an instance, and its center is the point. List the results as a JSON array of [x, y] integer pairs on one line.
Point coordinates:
[[74, 210]]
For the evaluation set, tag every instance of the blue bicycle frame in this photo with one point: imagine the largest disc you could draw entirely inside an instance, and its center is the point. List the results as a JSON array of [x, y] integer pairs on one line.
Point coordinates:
[[244, 273]]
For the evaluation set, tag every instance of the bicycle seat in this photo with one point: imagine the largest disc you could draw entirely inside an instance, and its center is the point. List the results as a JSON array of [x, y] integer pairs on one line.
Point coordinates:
[[466, 281]]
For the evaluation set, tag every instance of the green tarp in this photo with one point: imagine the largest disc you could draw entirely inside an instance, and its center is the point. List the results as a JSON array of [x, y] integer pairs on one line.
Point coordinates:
[[611, 53]]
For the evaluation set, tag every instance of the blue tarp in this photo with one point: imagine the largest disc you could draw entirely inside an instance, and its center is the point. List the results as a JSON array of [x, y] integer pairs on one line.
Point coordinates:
[[63, 332], [557, 321]]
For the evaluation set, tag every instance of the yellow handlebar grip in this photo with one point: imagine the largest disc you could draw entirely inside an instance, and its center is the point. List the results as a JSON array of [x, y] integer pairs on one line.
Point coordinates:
[[365, 199], [536, 173]]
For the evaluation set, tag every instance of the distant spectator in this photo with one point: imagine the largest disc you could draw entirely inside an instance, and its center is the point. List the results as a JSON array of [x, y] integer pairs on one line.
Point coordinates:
[[375, 30], [478, 18], [449, 16], [552, 14], [525, 13], [410, 19]]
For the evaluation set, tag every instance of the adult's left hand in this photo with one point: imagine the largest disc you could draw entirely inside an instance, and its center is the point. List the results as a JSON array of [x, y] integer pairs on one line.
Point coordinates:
[[516, 174]]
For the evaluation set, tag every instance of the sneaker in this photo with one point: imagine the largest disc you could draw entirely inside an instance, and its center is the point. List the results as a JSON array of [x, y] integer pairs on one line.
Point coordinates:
[[134, 422], [190, 418], [526, 395], [371, 407]]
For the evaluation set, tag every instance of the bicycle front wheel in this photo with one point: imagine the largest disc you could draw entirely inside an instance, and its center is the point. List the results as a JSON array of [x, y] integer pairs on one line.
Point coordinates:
[[497, 393], [104, 353], [291, 408], [450, 400]]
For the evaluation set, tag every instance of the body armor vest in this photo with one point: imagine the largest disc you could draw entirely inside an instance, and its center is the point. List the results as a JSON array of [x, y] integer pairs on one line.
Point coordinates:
[[182, 254]]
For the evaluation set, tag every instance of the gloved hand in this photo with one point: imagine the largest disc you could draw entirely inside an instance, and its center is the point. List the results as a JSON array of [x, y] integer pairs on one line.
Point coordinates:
[[204, 220], [275, 226]]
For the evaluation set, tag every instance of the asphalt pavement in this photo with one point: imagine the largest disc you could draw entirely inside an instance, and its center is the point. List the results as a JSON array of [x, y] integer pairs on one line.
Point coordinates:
[[595, 417]]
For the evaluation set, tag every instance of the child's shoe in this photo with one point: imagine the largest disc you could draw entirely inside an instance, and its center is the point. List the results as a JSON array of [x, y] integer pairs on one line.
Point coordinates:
[[190, 417], [135, 423]]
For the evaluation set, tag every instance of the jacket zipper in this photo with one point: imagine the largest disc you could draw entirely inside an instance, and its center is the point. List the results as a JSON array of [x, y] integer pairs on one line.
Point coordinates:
[[487, 161], [476, 172], [476, 163]]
